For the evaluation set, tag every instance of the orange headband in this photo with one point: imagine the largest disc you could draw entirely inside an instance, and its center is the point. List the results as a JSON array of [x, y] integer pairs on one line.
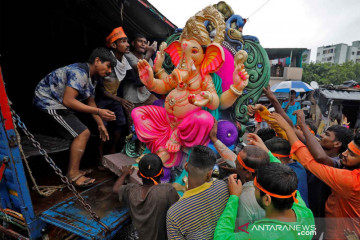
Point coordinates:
[[243, 164], [276, 195], [115, 35], [354, 148], [280, 155], [152, 178]]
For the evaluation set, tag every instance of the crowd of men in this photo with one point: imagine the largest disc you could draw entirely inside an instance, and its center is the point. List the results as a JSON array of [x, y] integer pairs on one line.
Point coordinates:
[[106, 86], [286, 183]]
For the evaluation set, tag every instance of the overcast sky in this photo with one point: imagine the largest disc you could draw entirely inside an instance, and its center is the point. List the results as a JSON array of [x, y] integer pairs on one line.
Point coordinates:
[[282, 23]]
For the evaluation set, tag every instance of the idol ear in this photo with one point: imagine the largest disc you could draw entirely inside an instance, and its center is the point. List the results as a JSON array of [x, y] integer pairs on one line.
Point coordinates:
[[174, 50], [213, 60]]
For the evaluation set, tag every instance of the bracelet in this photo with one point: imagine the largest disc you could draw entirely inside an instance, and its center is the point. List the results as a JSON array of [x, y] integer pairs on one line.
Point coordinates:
[[157, 74], [98, 111], [235, 91]]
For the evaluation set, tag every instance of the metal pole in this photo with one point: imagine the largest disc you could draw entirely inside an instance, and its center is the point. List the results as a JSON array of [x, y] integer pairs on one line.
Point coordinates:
[[328, 118]]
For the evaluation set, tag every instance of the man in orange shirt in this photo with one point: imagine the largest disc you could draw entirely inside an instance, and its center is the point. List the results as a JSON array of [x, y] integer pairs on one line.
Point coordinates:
[[342, 209]]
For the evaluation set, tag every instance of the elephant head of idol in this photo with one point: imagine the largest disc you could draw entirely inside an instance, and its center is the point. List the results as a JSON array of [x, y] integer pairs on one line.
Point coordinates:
[[196, 52]]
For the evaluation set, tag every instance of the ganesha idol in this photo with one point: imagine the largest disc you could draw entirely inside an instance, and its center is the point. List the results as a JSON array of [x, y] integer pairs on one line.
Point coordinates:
[[189, 88]]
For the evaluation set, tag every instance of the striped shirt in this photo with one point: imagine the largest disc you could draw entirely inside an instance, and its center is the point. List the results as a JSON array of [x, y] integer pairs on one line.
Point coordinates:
[[195, 215]]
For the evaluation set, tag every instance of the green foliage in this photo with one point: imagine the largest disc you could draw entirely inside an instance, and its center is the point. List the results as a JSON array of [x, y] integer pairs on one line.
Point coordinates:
[[326, 73]]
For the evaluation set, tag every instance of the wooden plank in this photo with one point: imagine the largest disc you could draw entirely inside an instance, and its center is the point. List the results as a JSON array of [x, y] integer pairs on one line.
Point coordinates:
[[114, 162], [71, 215]]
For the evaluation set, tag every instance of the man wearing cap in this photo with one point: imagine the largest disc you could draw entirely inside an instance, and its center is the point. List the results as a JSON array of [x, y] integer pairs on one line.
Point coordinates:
[[149, 202], [71, 88], [108, 94], [286, 215]]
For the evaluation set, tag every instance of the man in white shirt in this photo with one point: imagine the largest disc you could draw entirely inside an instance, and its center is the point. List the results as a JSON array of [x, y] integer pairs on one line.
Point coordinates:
[[135, 91]]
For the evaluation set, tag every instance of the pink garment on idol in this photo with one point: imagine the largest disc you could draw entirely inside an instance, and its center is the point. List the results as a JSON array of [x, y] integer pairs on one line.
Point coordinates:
[[226, 70], [154, 126]]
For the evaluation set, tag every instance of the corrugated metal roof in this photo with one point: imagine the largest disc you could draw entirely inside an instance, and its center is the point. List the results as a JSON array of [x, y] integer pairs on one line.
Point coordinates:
[[279, 96], [342, 95]]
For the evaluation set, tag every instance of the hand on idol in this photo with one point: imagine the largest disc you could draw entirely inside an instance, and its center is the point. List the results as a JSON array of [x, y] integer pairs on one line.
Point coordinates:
[[146, 74], [200, 100], [252, 109], [277, 118], [160, 57]]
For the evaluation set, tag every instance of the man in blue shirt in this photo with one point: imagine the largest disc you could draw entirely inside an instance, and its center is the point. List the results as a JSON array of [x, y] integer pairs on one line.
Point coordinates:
[[71, 88], [281, 148], [291, 106]]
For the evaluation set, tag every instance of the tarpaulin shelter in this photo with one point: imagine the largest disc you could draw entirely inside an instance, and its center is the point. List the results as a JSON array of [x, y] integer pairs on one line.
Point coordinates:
[[335, 102], [38, 37]]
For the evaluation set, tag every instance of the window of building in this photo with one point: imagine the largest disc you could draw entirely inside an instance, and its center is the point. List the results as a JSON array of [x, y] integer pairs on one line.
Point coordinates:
[[329, 59], [328, 51], [353, 53], [358, 53]]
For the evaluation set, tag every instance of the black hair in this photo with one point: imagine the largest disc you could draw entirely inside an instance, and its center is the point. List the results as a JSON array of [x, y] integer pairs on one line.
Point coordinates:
[[139, 35], [136, 36], [104, 55], [357, 138], [292, 92], [256, 157], [278, 145], [150, 165], [202, 157], [266, 133], [311, 124], [342, 134], [279, 179]]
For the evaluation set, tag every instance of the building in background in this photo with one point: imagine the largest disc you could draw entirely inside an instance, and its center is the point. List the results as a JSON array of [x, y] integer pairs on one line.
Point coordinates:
[[353, 53], [286, 63], [339, 53]]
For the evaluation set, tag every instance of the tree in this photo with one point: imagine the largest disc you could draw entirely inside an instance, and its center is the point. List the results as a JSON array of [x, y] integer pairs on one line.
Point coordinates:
[[326, 73]]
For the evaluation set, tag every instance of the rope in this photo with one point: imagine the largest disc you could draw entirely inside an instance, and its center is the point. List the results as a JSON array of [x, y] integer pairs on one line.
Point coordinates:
[[121, 12], [45, 191], [257, 9]]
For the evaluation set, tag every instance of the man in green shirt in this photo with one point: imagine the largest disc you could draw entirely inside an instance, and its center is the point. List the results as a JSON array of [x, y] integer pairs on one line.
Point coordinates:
[[275, 191], [253, 156]]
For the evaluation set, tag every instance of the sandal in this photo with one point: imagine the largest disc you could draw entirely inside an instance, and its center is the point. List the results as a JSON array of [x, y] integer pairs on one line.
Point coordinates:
[[85, 184]]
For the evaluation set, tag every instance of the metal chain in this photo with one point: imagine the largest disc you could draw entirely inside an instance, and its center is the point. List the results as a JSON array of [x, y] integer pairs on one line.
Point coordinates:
[[57, 170], [45, 191]]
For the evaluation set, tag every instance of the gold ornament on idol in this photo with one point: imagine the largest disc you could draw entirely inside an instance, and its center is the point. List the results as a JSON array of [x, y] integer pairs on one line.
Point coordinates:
[[195, 28]]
